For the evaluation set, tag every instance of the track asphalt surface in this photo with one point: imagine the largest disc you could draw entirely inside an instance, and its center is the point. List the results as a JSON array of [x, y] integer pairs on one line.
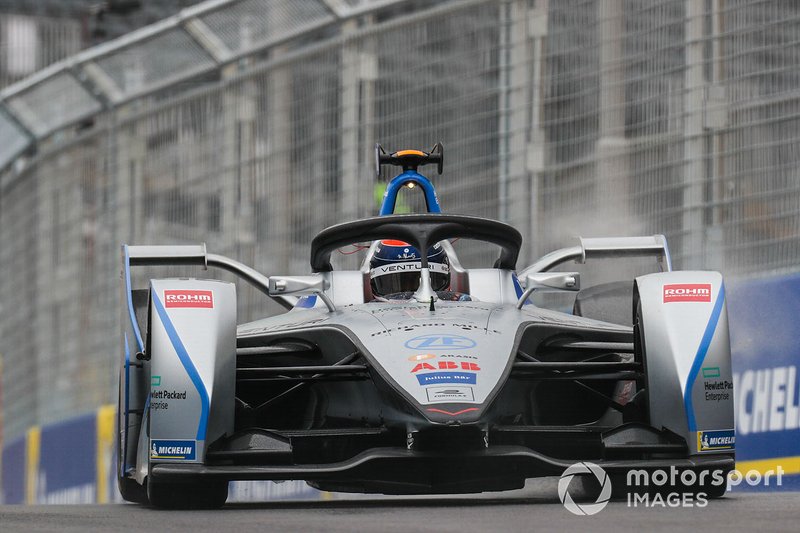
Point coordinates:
[[738, 512], [534, 508]]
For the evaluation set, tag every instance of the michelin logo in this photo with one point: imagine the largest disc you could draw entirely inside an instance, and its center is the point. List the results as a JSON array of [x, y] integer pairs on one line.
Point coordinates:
[[709, 441], [183, 450], [767, 400]]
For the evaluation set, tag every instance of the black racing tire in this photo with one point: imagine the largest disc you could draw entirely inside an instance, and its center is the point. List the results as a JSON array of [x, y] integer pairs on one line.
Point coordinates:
[[196, 495], [639, 407], [607, 302], [129, 489], [621, 491], [717, 492]]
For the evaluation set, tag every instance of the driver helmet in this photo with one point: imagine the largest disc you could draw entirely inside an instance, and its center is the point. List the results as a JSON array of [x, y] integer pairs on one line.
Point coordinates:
[[396, 266]]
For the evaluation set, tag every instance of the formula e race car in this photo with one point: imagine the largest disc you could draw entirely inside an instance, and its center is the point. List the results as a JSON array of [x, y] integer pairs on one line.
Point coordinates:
[[421, 393]]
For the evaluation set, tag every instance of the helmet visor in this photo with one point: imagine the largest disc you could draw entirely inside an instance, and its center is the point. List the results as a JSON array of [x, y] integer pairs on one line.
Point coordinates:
[[404, 277]]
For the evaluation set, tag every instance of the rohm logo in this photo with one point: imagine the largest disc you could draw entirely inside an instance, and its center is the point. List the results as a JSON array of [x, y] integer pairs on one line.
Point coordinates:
[[186, 298], [687, 292]]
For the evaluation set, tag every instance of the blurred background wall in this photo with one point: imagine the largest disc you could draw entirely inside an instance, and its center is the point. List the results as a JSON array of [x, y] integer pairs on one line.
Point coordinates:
[[250, 125]]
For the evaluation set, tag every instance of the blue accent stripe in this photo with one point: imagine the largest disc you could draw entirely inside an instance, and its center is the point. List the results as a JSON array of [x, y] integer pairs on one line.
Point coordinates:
[[518, 289], [702, 350], [130, 299], [187, 364], [307, 302], [408, 176], [124, 466]]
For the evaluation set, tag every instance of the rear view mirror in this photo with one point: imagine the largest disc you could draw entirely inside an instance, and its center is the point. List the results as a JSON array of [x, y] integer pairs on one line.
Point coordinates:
[[281, 285], [300, 285], [549, 281], [558, 281]]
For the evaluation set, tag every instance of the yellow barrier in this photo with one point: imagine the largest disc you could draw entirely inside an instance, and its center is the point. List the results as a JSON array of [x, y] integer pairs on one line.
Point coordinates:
[[106, 422], [790, 465], [33, 442]]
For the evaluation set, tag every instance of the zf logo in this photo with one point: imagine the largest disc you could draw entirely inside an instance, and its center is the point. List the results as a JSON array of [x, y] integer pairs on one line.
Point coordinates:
[[440, 342]]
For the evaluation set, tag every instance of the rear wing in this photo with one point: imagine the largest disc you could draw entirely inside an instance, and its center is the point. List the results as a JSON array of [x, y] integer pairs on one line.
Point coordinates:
[[606, 247]]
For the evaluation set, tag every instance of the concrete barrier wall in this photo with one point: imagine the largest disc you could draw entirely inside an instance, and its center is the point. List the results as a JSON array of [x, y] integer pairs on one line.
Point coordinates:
[[73, 461]]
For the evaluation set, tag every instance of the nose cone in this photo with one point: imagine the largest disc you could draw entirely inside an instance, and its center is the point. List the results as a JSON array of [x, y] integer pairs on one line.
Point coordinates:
[[446, 362]]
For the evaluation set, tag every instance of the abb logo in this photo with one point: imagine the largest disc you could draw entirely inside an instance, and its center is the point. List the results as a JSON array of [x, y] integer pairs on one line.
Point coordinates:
[[203, 299], [687, 292], [446, 365]]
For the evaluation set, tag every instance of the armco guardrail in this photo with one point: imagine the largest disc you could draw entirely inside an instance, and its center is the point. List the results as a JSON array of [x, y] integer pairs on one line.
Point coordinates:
[[72, 462]]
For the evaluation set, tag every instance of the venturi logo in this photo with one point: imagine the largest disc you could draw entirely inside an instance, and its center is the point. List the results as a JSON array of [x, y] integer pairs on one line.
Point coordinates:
[[203, 299], [440, 342], [584, 509]]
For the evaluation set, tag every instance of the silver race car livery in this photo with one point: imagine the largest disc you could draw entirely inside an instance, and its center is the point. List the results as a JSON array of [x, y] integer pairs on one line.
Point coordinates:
[[471, 389]]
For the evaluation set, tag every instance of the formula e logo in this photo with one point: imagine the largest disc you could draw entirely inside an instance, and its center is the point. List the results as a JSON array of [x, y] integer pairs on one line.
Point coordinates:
[[203, 299], [449, 394], [687, 292], [440, 342]]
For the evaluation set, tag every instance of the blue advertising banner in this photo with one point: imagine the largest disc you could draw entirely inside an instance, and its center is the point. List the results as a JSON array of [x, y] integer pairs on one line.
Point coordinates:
[[67, 464], [14, 471], [764, 320]]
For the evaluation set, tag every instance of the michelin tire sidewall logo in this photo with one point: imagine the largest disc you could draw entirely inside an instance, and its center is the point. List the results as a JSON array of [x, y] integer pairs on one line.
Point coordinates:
[[583, 469]]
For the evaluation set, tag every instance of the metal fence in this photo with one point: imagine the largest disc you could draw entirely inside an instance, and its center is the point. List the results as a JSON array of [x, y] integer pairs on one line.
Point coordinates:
[[249, 125], [29, 43]]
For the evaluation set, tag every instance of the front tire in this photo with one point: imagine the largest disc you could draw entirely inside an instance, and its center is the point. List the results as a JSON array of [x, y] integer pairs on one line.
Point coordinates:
[[709, 490], [129, 489], [205, 495]]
